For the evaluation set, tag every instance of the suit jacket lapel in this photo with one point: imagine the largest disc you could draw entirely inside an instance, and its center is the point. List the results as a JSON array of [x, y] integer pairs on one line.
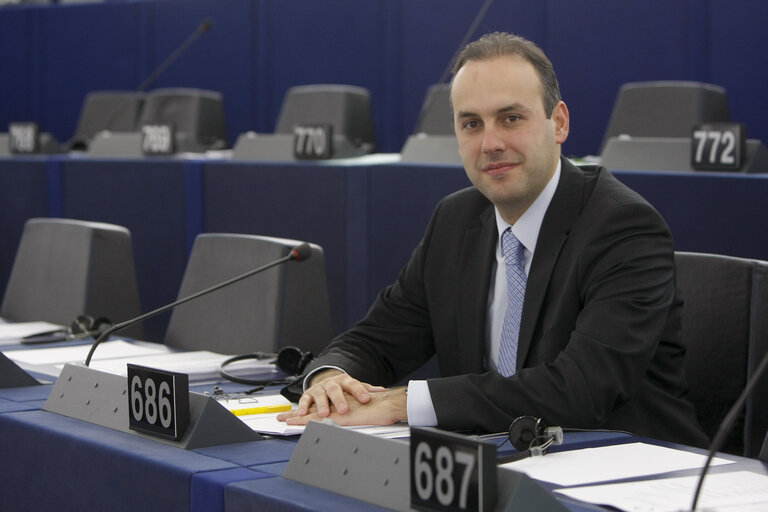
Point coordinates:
[[561, 214], [476, 262]]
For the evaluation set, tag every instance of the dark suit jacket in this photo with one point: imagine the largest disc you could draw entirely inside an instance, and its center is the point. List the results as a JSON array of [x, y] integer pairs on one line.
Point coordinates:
[[600, 334]]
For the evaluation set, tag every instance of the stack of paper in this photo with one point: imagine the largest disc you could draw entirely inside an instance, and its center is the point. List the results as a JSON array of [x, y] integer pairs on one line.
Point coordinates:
[[113, 357]]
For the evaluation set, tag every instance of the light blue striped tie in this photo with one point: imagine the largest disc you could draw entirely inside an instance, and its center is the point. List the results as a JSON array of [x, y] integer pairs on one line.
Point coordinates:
[[512, 250]]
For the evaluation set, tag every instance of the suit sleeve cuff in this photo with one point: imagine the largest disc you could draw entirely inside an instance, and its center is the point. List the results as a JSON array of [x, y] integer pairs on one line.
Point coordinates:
[[421, 412], [308, 377]]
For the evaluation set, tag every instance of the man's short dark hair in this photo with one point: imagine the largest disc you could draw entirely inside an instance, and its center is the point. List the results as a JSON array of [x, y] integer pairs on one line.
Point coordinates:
[[498, 44]]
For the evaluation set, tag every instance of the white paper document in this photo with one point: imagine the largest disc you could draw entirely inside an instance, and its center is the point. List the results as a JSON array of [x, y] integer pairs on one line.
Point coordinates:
[[591, 465], [199, 365], [268, 424], [11, 333], [78, 353], [736, 491], [114, 356]]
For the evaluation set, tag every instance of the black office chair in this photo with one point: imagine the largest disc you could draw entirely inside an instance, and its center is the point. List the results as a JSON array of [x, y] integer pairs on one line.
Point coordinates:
[[286, 305], [197, 116], [65, 268], [725, 329], [665, 109], [114, 111], [346, 107]]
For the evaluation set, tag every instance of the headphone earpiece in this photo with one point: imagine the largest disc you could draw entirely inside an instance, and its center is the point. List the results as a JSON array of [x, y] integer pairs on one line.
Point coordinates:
[[531, 437], [292, 361], [524, 430]]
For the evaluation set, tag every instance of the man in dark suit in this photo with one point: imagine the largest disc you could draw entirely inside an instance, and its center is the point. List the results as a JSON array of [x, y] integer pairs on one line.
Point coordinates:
[[582, 331]]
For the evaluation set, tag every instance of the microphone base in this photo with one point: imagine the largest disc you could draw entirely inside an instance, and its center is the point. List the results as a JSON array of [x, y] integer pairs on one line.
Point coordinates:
[[101, 398]]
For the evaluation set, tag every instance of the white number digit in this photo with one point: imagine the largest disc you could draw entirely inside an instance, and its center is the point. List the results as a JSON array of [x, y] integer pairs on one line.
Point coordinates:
[[444, 480], [727, 157], [150, 407], [715, 137], [309, 148], [165, 138], [422, 471], [301, 139], [137, 400], [319, 141], [468, 459], [701, 138], [165, 405]]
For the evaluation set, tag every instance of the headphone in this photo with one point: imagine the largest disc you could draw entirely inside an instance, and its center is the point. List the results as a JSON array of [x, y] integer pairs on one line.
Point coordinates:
[[83, 326], [289, 360], [531, 437]]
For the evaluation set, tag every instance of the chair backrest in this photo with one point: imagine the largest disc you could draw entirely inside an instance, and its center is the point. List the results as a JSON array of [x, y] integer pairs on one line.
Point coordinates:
[[346, 107], [115, 111], [665, 109], [725, 329], [436, 117], [196, 114], [65, 268], [286, 305]]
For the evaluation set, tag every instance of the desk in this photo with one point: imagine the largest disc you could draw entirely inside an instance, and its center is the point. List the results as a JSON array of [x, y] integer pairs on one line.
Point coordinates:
[[368, 217], [51, 462]]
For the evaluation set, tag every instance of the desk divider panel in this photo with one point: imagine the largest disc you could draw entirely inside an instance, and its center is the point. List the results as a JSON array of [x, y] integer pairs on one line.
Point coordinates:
[[378, 470], [101, 398], [357, 465]]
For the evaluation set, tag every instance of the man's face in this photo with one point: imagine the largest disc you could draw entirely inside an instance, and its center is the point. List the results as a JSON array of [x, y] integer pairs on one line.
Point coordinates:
[[509, 147]]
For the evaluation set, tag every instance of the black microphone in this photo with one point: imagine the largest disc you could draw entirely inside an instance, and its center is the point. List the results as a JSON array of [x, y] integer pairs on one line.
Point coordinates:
[[204, 27], [299, 253], [727, 424]]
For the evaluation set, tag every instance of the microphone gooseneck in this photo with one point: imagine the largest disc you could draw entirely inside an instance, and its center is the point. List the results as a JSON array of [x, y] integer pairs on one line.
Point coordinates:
[[470, 32], [204, 27], [299, 253]]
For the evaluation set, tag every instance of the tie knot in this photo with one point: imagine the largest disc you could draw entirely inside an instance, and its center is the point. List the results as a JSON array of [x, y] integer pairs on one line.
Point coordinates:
[[511, 248]]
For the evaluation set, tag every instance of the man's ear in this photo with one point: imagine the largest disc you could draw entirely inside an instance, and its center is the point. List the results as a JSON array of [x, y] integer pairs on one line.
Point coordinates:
[[561, 119]]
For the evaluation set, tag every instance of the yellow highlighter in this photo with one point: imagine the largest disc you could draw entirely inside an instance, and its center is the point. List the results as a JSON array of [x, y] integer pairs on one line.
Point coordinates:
[[262, 409]]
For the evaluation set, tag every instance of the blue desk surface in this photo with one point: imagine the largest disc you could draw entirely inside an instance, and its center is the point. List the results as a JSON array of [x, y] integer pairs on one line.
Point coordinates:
[[52, 462]]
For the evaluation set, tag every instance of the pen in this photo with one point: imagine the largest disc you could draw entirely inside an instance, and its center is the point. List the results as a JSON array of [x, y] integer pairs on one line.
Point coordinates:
[[261, 409]]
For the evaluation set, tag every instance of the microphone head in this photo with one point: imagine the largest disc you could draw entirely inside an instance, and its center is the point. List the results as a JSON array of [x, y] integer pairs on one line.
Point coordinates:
[[301, 252], [205, 26]]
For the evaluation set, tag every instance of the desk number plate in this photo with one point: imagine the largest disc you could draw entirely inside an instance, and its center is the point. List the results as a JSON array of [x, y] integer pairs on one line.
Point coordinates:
[[158, 139], [159, 401], [451, 472], [313, 142], [717, 146], [23, 138]]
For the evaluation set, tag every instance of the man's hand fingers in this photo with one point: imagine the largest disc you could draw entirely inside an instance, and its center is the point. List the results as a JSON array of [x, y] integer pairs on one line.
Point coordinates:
[[316, 395], [329, 395], [384, 408], [335, 392]]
